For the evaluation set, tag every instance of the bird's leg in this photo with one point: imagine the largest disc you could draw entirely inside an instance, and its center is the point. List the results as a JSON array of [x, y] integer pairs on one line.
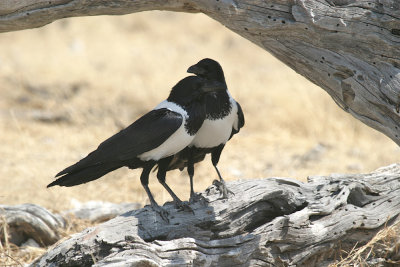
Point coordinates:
[[190, 170], [221, 186], [144, 179], [194, 197], [161, 174]]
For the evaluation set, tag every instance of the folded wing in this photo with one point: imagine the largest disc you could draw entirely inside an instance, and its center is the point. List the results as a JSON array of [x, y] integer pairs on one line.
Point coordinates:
[[122, 149]]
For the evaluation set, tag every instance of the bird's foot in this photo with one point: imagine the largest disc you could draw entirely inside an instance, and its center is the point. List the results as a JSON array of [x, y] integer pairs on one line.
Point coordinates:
[[183, 206], [196, 197], [162, 212], [223, 190]]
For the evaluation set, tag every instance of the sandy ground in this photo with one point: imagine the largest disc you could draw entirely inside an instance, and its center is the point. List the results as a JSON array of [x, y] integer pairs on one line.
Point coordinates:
[[68, 86]]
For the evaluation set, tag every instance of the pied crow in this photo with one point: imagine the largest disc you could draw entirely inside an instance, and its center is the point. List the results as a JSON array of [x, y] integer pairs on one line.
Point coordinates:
[[151, 140], [224, 118]]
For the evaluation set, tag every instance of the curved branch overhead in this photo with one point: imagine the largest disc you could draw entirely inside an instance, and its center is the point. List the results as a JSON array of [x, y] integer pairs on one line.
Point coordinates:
[[350, 48]]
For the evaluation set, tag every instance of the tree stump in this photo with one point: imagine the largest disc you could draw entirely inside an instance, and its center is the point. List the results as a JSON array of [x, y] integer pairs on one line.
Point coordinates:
[[267, 222]]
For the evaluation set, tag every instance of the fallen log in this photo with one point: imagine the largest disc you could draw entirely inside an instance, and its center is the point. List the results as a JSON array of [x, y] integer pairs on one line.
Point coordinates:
[[30, 221], [98, 211], [267, 222], [27, 224]]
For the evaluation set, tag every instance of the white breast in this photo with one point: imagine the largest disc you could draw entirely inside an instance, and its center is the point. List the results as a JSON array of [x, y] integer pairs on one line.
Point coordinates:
[[215, 132], [176, 142]]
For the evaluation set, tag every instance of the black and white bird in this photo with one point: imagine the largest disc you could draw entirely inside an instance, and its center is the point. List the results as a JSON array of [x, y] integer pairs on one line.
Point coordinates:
[[224, 118], [151, 140]]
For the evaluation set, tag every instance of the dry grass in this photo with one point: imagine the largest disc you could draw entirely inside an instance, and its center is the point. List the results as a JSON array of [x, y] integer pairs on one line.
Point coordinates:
[[383, 246], [91, 75]]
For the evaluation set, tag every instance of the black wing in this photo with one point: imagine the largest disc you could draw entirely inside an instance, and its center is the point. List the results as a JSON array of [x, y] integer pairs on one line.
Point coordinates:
[[145, 134], [240, 120], [240, 116]]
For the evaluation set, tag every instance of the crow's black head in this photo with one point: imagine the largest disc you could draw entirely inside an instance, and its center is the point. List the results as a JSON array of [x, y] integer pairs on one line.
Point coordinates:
[[193, 88], [208, 69]]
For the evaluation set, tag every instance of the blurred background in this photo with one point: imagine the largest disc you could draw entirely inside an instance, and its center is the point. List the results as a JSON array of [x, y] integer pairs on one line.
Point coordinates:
[[66, 87]]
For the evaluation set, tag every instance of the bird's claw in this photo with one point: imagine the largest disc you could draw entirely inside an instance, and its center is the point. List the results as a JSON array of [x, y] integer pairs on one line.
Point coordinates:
[[223, 190]]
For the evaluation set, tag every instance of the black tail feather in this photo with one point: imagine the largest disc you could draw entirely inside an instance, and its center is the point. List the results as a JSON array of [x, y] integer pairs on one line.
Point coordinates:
[[85, 175], [90, 160]]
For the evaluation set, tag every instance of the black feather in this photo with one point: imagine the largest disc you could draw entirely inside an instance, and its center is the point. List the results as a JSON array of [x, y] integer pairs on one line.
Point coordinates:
[[240, 120], [143, 135], [87, 174]]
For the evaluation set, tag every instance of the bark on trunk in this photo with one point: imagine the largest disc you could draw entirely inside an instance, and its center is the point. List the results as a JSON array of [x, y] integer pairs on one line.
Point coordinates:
[[29, 221], [267, 222], [350, 48]]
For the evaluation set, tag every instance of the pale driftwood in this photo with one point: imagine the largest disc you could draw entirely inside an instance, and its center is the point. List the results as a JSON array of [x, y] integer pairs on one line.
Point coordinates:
[[99, 211], [30, 221], [30, 224], [350, 48], [268, 222]]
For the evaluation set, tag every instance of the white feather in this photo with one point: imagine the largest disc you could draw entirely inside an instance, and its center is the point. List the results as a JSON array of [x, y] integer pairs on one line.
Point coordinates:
[[172, 106], [176, 142], [215, 132]]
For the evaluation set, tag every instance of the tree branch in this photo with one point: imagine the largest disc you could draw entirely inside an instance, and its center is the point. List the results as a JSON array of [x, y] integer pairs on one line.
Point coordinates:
[[26, 14], [350, 48]]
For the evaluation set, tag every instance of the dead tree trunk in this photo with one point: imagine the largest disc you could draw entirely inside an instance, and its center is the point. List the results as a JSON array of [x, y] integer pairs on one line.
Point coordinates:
[[268, 222], [30, 221], [350, 48]]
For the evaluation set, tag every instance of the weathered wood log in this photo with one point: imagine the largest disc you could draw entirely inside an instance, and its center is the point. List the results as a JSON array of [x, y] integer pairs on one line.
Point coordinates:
[[268, 222], [350, 48], [30, 221], [99, 211]]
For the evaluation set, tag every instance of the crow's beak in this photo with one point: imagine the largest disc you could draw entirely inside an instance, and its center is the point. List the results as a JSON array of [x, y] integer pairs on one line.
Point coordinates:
[[196, 70], [212, 86]]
